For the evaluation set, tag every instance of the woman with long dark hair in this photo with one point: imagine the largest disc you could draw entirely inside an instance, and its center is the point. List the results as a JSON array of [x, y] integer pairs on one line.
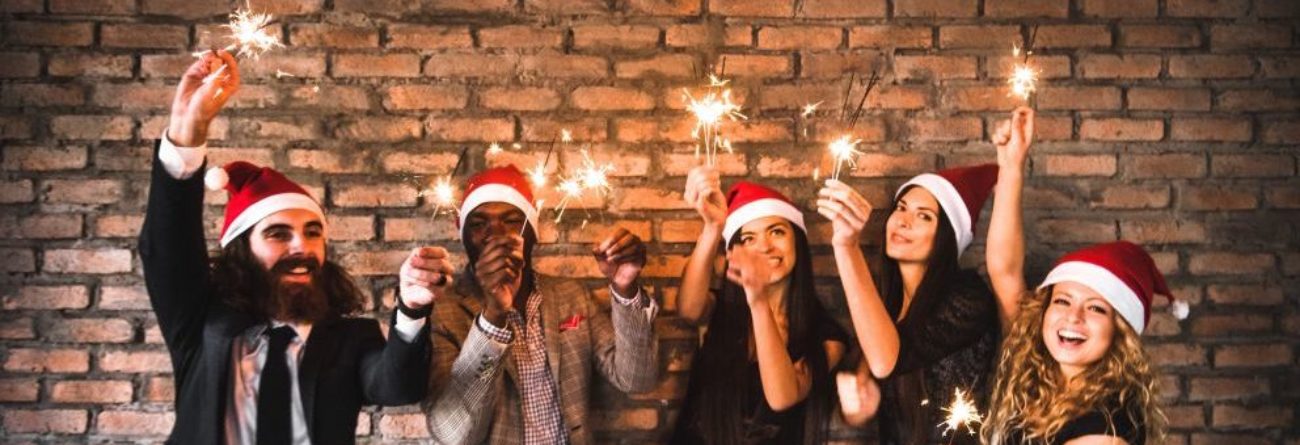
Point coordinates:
[[927, 327], [762, 374]]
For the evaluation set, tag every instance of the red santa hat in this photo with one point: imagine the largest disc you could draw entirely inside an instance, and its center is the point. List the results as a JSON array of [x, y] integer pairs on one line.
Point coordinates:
[[747, 201], [255, 193], [501, 184], [961, 193], [1123, 273]]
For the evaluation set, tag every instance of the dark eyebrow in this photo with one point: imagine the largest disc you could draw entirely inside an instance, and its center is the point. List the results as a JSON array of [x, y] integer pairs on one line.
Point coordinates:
[[277, 226], [315, 225]]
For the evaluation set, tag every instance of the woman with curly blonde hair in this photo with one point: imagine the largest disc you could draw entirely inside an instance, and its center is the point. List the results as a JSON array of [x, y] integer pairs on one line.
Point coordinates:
[[1073, 370]]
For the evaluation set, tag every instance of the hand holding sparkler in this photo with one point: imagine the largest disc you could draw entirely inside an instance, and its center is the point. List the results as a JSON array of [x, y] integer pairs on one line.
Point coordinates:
[[425, 276], [704, 193], [847, 210], [499, 272], [198, 99], [620, 257], [1013, 138]]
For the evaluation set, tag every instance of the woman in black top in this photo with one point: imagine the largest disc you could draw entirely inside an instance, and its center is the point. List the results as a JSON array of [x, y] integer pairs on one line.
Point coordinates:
[[927, 328], [1072, 368], [762, 374]]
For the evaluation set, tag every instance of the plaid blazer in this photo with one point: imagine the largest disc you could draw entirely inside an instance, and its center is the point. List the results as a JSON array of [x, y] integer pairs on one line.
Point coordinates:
[[472, 401]]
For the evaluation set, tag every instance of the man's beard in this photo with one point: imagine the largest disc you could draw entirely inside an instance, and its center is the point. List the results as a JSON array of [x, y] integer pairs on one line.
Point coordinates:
[[294, 301]]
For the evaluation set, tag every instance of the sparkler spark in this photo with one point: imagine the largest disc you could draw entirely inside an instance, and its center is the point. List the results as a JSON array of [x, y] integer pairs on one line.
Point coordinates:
[[810, 109], [709, 111], [1023, 81], [960, 412], [248, 30], [494, 149], [590, 177], [845, 151], [537, 174]]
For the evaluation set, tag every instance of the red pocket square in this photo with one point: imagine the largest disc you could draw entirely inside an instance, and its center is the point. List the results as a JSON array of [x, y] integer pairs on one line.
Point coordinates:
[[571, 323]]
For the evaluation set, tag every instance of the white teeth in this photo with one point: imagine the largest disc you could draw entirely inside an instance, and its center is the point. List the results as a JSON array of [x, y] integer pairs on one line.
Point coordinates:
[[1071, 335], [299, 270]]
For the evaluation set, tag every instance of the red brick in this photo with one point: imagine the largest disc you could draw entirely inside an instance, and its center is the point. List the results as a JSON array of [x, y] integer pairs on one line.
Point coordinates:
[[351, 228], [1171, 165], [679, 164], [47, 297], [696, 35], [123, 298], [935, 67], [1133, 197], [1231, 325], [91, 391], [787, 166], [1132, 66], [1185, 417], [841, 8], [366, 65], [1256, 100], [471, 129], [1074, 231], [1175, 354], [1253, 356], [548, 131], [20, 6], [291, 128], [136, 35], [47, 226], [610, 98], [368, 263], [665, 65], [19, 390], [20, 65], [49, 33], [38, 95], [1076, 165], [1276, 8], [1026, 8], [419, 162], [1206, 8], [1070, 36], [564, 66], [15, 127], [90, 65], [1210, 129], [93, 7], [1230, 263], [112, 128], [380, 129], [279, 65], [1251, 37], [1120, 129], [326, 161], [1049, 67], [1280, 67], [1182, 99], [134, 361], [1159, 36], [1211, 66], [978, 36], [45, 421], [17, 260], [944, 129], [428, 37], [134, 423], [191, 9], [425, 97], [134, 96], [380, 195], [935, 8], [89, 191], [615, 36], [1119, 8], [1078, 98], [93, 261], [159, 390], [1252, 166], [47, 361], [803, 38], [329, 97], [772, 8], [1283, 198], [531, 36], [1218, 198], [417, 229], [1252, 417], [44, 158], [519, 99], [1162, 232], [981, 98], [17, 329], [1281, 132], [665, 8], [891, 37], [90, 330]]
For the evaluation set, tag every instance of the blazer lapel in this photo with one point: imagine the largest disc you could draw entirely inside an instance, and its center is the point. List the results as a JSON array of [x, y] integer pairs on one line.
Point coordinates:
[[320, 349]]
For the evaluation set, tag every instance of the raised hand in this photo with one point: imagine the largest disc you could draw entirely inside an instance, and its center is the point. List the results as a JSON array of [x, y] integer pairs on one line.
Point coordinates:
[[425, 276], [499, 272], [847, 210], [704, 194], [198, 98], [751, 271], [621, 256], [1013, 138]]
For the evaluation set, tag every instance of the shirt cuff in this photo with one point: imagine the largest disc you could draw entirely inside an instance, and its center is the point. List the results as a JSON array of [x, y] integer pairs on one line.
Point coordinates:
[[180, 162], [626, 301], [407, 328], [494, 333]]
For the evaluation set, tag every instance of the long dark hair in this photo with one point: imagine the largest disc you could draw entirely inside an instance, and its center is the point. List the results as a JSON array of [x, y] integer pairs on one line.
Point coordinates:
[[245, 286], [940, 269], [718, 380]]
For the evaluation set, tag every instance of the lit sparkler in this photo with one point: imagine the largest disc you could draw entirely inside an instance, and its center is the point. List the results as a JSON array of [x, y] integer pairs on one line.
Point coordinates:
[[494, 149], [709, 111], [961, 412], [845, 151], [1024, 77], [810, 109]]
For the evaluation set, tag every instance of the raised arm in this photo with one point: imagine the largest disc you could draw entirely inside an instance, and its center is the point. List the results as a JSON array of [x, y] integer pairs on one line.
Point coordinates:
[[1005, 250], [785, 382], [849, 212], [704, 193], [626, 346]]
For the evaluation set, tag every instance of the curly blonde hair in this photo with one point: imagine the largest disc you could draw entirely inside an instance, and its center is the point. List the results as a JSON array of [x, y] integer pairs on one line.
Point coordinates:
[[1031, 396]]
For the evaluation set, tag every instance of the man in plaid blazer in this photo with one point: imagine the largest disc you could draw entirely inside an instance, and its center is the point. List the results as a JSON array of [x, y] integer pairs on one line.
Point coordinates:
[[517, 350]]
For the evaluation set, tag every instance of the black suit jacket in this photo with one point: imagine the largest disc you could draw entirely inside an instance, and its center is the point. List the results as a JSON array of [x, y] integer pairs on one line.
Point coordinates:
[[346, 362]]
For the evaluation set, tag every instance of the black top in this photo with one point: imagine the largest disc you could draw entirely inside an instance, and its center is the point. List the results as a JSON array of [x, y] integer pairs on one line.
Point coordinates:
[[944, 345], [1124, 424]]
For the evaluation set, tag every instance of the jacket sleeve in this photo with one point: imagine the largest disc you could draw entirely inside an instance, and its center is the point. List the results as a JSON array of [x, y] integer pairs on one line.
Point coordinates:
[[174, 254], [625, 342], [463, 388], [398, 372]]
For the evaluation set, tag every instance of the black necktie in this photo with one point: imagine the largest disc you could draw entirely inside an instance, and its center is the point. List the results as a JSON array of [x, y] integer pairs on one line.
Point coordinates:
[[273, 426]]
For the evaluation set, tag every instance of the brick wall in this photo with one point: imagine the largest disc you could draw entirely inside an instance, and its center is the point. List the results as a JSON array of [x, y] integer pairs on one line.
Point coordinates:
[[1172, 123]]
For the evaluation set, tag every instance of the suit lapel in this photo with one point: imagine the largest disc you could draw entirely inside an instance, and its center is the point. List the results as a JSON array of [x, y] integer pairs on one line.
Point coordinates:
[[320, 349]]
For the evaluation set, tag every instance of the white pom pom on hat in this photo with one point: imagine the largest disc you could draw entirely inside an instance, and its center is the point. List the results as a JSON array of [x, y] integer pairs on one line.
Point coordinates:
[[216, 178]]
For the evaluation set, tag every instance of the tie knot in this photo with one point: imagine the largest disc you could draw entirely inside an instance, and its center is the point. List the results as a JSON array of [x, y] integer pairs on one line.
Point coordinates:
[[281, 335]]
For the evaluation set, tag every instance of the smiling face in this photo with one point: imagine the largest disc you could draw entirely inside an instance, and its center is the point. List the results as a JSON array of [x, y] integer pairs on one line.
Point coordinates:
[[910, 229], [1078, 326], [290, 244], [773, 238]]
